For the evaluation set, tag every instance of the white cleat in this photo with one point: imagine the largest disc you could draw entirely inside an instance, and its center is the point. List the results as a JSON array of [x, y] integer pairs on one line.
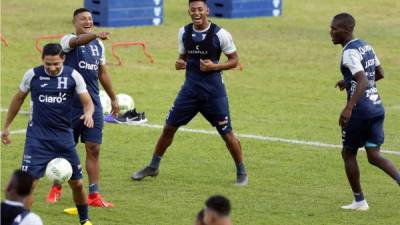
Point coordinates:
[[358, 206]]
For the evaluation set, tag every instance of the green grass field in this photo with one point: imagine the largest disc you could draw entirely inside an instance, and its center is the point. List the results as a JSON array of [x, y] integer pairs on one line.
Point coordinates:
[[286, 91]]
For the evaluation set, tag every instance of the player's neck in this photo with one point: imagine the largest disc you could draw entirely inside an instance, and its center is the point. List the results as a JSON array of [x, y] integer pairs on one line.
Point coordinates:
[[347, 40], [202, 26]]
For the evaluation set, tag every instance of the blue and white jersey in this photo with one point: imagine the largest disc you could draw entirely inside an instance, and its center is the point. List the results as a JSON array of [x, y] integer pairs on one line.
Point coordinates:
[[52, 99], [204, 44], [14, 213], [86, 59], [358, 56]]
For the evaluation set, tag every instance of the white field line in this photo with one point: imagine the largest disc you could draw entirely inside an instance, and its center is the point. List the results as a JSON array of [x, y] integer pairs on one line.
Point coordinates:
[[249, 136]]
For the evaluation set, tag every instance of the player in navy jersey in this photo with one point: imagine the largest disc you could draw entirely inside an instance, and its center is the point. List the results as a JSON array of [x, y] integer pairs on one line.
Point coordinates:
[[200, 46], [362, 117], [85, 53], [13, 208], [49, 134]]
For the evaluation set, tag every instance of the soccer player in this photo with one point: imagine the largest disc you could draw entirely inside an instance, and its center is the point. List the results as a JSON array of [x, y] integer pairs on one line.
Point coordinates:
[[217, 211], [362, 117], [85, 53], [49, 134], [200, 47], [13, 210]]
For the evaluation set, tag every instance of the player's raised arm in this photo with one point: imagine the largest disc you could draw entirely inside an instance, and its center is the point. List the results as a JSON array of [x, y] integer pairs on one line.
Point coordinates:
[[15, 106]]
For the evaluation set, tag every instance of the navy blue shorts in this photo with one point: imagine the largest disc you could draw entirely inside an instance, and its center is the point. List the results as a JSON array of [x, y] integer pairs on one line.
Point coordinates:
[[94, 134], [215, 110], [364, 132], [39, 152]]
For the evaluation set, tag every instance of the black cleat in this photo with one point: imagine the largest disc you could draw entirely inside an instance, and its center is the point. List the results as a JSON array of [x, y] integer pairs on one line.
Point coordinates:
[[145, 172]]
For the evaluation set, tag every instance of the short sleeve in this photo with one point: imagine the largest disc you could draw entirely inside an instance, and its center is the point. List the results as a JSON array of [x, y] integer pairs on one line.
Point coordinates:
[[31, 219], [103, 53], [226, 41], [65, 42], [181, 46], [25, 84], [377, 62], [80, 83], [352, 60]]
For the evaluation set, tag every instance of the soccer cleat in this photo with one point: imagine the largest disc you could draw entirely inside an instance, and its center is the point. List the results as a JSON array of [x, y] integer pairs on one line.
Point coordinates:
[[96, 200], [358, 206], [87, 222], [71, 211], [145, 172], [55, 194], [242, 180]]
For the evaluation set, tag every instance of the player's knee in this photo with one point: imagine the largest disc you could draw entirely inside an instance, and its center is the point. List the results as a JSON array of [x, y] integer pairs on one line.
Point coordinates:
[[169, 131], [348, 153], [93, 149], [76, 185], [374, 158]]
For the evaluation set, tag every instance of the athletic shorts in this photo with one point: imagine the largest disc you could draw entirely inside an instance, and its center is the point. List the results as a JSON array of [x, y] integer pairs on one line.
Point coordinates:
[[215, 110], [364, 132], [94, 134], [38, 153]]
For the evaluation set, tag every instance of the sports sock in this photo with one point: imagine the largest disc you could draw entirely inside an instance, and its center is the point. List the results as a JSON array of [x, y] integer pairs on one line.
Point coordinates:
[[93, 188], [240, 169], [155, 161], [359, 196], [83, 213], [398, 178]]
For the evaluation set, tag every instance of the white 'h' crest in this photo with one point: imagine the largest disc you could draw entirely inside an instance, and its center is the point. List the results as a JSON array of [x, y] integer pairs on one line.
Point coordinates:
[[95, 50], [62, 82]]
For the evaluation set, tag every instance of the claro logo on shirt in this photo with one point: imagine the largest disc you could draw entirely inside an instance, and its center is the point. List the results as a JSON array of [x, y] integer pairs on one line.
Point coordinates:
[[88, 66], [53, 99]]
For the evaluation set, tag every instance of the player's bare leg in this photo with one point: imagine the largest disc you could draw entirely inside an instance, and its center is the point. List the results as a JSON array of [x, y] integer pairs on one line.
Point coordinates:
[[376, 159], [79, 196], [235, 148], [164, 141], [93, 170], [349, 156], [92, 161]]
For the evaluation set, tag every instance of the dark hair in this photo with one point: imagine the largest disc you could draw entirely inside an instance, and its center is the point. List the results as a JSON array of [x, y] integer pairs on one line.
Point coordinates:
[[200, 216], [205, 1], [346, 20], [21, 182], [80, 10], [52, 49], [219, 204]]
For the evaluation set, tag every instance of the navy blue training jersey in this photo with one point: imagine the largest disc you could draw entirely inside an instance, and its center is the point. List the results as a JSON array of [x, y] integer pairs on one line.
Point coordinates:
[[357, 56], [52, 99], [86, 59], [206, 44]]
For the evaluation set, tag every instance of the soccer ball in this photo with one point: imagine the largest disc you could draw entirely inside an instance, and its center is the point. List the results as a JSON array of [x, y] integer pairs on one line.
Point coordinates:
[[59, 170], [105, 102], [125, 103]]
